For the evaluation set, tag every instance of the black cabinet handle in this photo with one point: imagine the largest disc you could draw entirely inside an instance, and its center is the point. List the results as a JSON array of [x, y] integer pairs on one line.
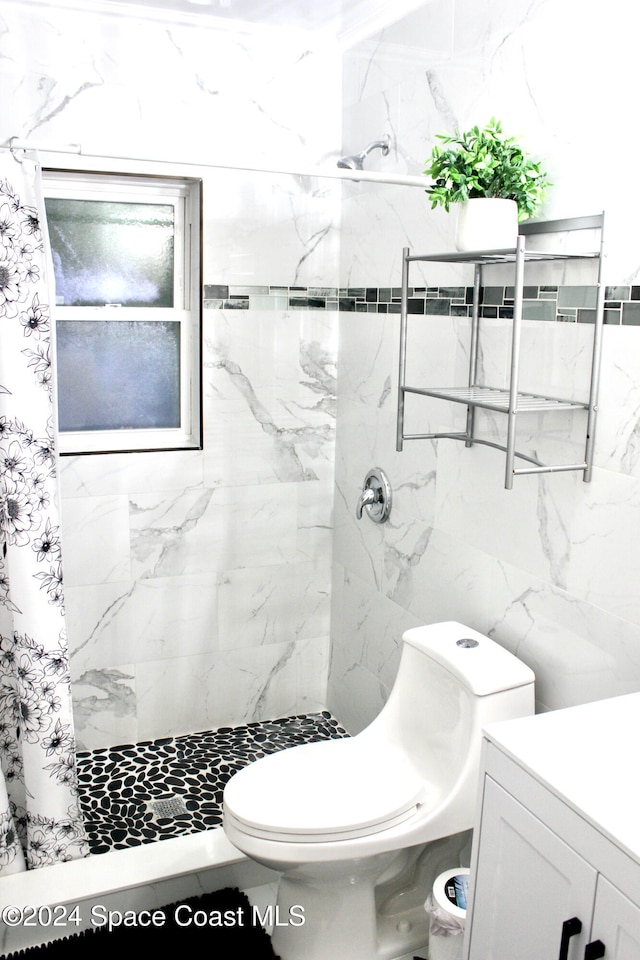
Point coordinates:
[[594, 950], [569, 929]]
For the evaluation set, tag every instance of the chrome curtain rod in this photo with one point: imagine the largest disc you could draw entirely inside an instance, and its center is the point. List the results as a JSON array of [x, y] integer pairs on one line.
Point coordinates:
[[356, 176]]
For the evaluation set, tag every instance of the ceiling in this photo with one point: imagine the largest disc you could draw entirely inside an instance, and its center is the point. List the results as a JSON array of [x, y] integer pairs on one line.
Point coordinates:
[[344, 21], [300, 14]]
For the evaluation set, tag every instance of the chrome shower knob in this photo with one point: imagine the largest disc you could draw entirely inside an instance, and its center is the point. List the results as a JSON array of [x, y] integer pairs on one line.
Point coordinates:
[[375, 497]]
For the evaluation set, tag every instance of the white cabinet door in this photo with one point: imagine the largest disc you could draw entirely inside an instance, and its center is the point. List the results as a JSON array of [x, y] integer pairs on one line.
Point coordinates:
[[616, 922], [527, 883]]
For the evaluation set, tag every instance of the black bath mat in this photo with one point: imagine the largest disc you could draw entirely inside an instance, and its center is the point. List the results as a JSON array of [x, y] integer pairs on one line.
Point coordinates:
[[219, 925]]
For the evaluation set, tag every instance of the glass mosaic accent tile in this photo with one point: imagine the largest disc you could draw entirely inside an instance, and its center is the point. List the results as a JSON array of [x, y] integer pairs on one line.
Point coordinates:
[[158, 789], [564, 304]]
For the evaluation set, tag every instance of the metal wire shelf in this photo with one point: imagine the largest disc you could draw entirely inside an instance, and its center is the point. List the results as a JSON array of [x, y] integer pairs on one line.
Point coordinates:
[[493, 398], [509, 401], [494, 257]]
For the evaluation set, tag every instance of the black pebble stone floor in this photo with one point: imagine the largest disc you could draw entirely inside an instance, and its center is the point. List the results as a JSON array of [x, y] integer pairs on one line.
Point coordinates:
[[118, 784]]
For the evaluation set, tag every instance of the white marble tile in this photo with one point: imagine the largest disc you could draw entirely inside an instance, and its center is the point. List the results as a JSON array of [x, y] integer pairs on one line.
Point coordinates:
[[366, 641], [558, 356], [105, 707], [149, 619], [95, 539], [355, 695], [492, 22], [236, 686], [288, 352], [447, 580], [97, 625], [528, 526], [397, 52], [314, 541], [605, 550], [206, 530], [312, 669], [122, 473], [270, 228], [578, 652], [406, 546], [617, 445], [250, 86], [269, 396], [275, 604]]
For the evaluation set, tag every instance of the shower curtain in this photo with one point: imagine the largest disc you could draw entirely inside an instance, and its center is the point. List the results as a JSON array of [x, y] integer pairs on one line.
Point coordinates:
[[40, 817]]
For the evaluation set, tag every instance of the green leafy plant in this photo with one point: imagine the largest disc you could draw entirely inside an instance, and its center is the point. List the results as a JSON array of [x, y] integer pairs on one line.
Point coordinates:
[[485, 163]]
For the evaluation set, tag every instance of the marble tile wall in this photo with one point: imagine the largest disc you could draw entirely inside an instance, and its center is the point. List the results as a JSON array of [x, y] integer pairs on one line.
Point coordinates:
[[551, 568], [198, 587], [198, 583]]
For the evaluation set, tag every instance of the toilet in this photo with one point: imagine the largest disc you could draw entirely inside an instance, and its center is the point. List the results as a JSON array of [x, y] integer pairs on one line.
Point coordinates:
[[343, 820]]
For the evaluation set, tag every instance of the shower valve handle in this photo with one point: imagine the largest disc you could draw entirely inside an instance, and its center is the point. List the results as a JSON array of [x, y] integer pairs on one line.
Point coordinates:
[[367, 497], [375, 497]]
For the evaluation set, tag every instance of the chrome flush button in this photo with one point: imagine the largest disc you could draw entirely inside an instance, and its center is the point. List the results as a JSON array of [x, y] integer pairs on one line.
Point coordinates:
[[467, 642]]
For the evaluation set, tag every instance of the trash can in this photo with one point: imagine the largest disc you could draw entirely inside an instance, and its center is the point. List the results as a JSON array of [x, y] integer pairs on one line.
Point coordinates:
[[447, 906]]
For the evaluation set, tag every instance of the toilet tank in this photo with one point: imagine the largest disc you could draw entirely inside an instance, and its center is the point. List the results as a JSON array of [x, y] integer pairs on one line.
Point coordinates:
[[451, 682]]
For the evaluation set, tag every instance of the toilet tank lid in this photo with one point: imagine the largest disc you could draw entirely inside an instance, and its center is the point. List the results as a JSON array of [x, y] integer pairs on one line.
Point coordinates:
[[478, 662]]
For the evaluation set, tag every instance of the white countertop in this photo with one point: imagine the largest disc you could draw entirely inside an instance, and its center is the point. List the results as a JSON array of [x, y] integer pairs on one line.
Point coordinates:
[[590, 756]]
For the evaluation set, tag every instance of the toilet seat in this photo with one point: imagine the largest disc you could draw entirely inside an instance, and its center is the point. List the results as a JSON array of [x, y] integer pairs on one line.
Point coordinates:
[[318, 792]]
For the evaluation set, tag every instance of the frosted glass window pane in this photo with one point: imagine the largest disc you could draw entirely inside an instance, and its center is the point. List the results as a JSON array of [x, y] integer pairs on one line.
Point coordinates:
[[111, 252], [118, 374]]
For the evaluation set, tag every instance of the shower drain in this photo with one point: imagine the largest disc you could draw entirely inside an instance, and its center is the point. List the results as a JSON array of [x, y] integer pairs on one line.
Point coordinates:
[[167, 808]]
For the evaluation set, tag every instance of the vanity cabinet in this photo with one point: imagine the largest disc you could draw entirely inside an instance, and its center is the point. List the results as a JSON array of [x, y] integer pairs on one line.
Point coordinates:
[[555, 871]]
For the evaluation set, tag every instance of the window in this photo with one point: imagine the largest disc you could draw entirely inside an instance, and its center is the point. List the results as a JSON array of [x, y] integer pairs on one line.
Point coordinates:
[[126, 256]]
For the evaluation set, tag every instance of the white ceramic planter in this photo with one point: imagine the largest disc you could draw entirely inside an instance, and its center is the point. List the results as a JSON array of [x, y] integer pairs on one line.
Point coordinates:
[[487, 223]]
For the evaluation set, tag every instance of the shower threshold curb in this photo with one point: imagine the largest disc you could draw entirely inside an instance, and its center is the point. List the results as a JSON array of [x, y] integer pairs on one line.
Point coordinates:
[[207, 859]]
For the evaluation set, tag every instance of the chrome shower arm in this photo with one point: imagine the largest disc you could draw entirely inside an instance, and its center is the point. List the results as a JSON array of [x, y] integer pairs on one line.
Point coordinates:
[[356, 162], [382, 145]]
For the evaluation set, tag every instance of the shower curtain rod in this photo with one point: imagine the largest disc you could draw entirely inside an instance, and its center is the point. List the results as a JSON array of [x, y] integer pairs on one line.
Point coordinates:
[[338, 174]]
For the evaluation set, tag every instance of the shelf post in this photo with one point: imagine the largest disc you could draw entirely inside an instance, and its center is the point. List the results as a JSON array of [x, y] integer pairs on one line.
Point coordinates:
[[473, 349], [515, 363], [594, 387], [402, 362]]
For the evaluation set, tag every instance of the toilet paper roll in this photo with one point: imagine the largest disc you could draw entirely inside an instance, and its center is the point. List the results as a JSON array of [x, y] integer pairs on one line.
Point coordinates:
[[448, 907], [450, 890]]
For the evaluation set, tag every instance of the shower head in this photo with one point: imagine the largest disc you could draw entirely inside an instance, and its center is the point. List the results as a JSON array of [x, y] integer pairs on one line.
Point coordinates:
[[356, 162], [351, 163]]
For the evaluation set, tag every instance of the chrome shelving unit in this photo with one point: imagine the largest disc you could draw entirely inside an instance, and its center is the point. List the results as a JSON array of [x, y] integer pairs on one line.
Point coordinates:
[[508, 400]]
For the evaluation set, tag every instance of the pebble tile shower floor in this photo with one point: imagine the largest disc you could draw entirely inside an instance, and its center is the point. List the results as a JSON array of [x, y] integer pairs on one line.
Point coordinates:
[[159, 789]]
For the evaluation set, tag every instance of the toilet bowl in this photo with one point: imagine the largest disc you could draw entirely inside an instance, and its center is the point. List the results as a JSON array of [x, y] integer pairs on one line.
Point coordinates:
[[339, 819]]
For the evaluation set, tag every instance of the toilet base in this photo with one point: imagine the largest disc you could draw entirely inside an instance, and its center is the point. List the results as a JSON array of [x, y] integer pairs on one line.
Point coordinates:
[[367, 909], [355, 940], [337, 919], [340, 917]]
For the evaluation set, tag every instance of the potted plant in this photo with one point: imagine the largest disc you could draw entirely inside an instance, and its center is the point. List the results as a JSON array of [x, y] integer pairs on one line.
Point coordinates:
[[490, 175]]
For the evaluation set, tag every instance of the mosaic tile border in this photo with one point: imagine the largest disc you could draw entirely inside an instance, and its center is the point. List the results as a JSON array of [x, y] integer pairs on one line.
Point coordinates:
[[567, 304], [120, 786]]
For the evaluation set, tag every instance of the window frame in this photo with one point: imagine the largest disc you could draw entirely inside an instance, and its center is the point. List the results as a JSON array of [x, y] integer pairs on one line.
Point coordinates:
[[185, 194]]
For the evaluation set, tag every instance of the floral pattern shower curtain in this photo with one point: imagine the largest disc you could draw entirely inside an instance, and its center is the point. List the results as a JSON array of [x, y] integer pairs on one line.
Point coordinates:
[[40, 818]]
